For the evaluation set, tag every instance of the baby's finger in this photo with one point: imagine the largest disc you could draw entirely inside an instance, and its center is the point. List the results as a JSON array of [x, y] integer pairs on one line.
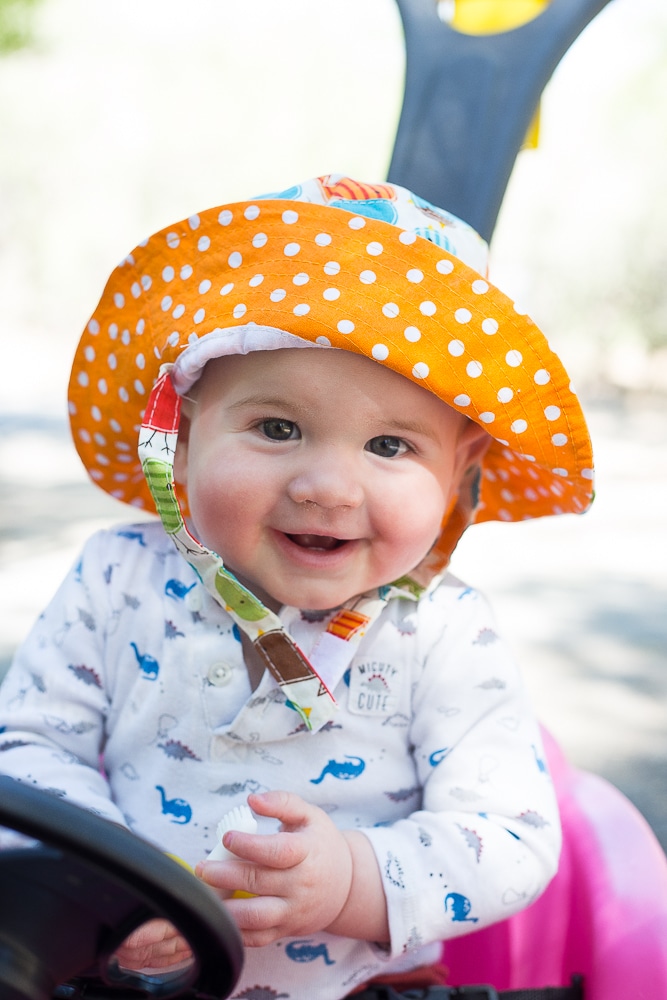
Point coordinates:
[[293, 811], [151, 934], [255, 880], [273, 850], [156, 943], [259, 919]]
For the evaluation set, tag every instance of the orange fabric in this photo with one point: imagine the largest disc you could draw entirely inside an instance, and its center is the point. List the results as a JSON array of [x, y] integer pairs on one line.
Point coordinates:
[[344, 280]]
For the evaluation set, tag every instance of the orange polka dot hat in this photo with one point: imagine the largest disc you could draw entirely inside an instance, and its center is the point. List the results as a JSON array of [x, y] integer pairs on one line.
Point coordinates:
[[335, 263]]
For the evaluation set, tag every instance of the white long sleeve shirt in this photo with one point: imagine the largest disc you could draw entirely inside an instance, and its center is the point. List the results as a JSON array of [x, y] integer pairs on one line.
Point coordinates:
[[434, 751]]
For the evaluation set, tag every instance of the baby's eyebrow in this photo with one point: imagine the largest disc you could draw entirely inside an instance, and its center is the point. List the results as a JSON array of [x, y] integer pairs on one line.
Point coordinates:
[[268, 402], [407, 426]]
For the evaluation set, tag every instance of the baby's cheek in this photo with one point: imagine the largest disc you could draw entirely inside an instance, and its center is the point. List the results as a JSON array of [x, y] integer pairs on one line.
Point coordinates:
[[416, 520]]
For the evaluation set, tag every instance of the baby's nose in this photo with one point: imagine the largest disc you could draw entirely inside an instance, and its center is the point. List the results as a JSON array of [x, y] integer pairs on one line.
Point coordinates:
[[329, 483]]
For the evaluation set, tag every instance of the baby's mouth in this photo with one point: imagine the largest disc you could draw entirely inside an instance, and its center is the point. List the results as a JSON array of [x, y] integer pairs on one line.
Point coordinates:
[[323, 543]]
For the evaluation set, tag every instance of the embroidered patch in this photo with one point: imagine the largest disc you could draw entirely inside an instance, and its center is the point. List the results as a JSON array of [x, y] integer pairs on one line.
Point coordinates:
[[374, 688]]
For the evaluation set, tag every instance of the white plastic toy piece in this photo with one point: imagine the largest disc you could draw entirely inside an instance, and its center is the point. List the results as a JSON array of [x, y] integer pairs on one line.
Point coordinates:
[[240, 818]]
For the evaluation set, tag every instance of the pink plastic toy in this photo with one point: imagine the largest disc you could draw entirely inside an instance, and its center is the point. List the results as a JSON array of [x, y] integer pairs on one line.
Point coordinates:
[[603, 916]]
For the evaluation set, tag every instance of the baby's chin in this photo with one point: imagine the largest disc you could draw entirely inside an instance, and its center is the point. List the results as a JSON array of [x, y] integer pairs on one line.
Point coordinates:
[[310, 610], [313, 607]]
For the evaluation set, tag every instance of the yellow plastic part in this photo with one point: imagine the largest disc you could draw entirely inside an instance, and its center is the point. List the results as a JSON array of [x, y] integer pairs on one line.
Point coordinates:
[[486, 17], [532, 138], [180, 861]]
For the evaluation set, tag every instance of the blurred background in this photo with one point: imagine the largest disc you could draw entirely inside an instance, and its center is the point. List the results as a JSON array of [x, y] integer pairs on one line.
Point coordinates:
[[118, 118]]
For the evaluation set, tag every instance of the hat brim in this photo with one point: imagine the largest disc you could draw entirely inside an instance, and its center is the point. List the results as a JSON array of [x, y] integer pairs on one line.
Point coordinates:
[[336, 278]]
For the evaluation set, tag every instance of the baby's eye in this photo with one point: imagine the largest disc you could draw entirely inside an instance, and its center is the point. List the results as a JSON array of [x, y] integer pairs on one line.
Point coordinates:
[[279, 430], [386, 447]]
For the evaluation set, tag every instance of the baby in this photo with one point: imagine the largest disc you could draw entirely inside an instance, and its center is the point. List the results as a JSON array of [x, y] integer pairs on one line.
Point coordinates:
[[326, 392]]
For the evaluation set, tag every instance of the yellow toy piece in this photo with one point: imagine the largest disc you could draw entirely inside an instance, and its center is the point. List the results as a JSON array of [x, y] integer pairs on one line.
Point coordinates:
[[239, 894], [485, 17]]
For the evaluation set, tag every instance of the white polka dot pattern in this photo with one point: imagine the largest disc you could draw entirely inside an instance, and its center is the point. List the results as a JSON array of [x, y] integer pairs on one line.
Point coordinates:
[[344, 280]]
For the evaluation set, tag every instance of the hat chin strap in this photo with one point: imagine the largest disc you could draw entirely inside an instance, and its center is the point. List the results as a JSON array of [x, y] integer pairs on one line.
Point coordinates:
[[307, 685]]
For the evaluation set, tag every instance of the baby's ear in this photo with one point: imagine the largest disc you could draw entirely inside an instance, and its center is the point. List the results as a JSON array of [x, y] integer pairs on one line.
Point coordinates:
[[472, 445]]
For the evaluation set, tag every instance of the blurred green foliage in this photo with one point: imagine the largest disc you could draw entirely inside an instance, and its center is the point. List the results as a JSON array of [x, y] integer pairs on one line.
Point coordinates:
[[16, 24]]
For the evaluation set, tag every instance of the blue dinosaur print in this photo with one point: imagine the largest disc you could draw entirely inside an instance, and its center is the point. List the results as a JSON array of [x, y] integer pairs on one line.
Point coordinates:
[[177, 589], [342, 770], [148, 665], [434, 236], [458, 907], [134, 536], [289, 194], [178, 808], [541, 763], [236, 632], [468, 592], [505, 828], [304, 951], [438, 756], [441, 214], [372, 208]]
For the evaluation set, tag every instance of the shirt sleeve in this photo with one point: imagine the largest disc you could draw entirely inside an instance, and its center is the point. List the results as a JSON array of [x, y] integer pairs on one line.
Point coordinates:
[[485, 841], [53, 701]]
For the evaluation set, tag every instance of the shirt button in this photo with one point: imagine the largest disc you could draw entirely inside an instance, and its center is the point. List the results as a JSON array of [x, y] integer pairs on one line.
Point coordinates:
[[219, 673]]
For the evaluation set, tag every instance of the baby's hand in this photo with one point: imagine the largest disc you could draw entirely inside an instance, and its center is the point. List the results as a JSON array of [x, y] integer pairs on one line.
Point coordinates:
[[155, 945], [300, 878]]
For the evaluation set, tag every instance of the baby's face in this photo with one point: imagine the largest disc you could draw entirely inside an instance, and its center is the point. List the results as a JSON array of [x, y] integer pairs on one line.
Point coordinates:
[[317, 474]]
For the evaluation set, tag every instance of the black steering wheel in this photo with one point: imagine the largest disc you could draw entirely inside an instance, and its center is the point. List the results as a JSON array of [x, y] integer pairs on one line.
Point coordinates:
[[68, 902]]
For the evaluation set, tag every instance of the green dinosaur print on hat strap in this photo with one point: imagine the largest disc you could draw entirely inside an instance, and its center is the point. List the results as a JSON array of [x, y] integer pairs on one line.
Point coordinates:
[[160, 478], [238, 598]]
